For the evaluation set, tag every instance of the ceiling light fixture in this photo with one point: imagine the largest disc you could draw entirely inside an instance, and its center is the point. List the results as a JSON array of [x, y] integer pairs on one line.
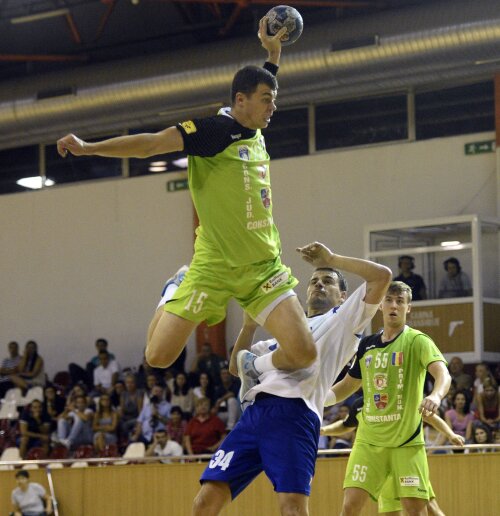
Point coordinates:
[[181, 162], [35, 183], [450, 243], [157, 169]]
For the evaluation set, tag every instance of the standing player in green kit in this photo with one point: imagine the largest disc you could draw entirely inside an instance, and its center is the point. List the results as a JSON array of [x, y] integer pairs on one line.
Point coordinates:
[[237, 250], [391, 366]]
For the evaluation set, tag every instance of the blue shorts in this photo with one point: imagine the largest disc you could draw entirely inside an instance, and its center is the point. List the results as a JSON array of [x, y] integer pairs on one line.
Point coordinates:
[[276, 435]]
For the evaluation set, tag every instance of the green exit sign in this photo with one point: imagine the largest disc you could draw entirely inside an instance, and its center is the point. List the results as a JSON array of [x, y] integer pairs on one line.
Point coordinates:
[[479, 147], [177, 184]]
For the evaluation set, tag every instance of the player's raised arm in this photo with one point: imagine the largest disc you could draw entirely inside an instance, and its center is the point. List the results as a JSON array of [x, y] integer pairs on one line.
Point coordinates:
[[132, 146], [377, 276]]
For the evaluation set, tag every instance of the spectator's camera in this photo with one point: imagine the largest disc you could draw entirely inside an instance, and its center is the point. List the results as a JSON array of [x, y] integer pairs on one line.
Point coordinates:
[[154, 399]]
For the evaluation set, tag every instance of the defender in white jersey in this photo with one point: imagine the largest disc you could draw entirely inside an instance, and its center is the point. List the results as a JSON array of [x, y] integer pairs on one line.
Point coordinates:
[[278, 432]]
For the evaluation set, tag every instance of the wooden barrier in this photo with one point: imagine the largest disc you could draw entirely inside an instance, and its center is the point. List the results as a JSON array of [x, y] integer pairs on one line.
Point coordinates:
[[464, 484]]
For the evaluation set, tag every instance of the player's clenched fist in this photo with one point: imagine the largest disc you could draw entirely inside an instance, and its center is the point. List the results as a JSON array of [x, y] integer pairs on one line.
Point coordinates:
[[316, 254], [71, 143]]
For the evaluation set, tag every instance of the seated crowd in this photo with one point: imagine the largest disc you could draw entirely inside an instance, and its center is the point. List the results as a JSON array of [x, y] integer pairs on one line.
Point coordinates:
[[175, 412]]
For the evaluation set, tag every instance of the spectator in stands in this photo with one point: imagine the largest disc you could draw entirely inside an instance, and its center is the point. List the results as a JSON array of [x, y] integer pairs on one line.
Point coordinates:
[[153, 416], [447, 401], [204, 432], [205, 388], [30, 498], [482, 371], [346, 440], [488, 403], [105, 374], [34, 427], [30, 372], [151, 381], [116, 393], [163, 446], [406, 265], [80, 389], [481, 435], [456, 283], [144, 370], [131, 401], [460, 419], [105, 423], [74, 426], [463, 381], [208, 362], [79, 374], [227, 406], [53, 405], [182, 394], [9, 367], [176, 426]]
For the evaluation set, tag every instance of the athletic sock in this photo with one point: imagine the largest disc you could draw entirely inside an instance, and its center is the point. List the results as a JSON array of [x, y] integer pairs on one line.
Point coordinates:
[[264, 363]]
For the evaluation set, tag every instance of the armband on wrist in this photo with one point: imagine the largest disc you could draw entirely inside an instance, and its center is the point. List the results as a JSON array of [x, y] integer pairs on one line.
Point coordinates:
[[330, 399]]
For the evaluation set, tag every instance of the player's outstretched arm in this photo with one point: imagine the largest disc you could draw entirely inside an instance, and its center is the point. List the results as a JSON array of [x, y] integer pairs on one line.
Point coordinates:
[[442, 380], [342, 390], [244, 341], [132, 146], [436, 422], [336, 428], [377, 276], [271, 43]]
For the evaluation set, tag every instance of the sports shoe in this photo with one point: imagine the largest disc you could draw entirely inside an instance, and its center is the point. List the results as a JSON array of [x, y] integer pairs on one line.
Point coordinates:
[[247, 373], [176, 279]]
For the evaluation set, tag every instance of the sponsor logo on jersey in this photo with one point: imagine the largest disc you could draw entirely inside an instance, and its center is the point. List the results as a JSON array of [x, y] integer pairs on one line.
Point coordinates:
[[262, 171], [386, 418], [381, 400], [259, 224], [265, 195], [275, 281], [243, 152], [397, 358], [368, 360], [380, 381], [409, 481], [189, 127]]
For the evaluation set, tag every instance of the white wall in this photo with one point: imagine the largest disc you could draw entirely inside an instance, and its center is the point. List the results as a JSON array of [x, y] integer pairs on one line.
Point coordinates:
[[88, 260]]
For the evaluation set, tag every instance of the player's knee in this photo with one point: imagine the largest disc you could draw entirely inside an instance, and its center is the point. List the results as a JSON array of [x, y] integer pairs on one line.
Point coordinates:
[[155, 358], [200, 504], [293, 509]]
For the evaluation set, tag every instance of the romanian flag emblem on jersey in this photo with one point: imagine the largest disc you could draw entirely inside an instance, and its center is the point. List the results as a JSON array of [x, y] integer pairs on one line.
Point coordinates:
[[397, 358]]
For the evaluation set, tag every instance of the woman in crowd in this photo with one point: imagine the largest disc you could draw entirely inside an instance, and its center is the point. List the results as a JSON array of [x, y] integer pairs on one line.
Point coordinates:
[[488, 403], [205, 388], [459, 418], [182, 394], [130, 405], [53, 405], [176, 425], [105, 423], [34, 426], [31, 371], [481, 435]]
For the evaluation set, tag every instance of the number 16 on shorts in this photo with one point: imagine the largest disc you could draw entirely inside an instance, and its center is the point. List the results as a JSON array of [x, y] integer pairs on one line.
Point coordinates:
[[359, 473]]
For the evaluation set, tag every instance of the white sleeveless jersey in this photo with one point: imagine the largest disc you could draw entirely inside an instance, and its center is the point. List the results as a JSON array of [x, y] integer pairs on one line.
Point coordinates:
[[336, 335]]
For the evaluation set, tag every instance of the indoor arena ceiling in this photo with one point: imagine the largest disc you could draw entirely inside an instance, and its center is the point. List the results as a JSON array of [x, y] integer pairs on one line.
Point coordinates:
[[42, 35]]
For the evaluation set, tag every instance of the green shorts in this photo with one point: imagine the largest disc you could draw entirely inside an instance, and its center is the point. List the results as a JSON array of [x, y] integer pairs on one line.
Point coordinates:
[[210, 283], [388, 501], [370, 466]]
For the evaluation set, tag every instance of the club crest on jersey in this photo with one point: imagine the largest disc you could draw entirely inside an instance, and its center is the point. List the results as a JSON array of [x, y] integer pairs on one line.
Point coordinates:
[[380, 381], [262, 171], [368, 360], [381, 400], [397, 358], [265, 197], [243, 152], [275, 281]]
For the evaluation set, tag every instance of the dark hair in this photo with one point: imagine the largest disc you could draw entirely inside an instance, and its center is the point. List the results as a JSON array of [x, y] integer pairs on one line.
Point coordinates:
[[341, 278], [178, 391], [177, 410], [467, 400], [22, 473], [407, 257], [30, 364], [482, 426], [103, 352], [248, 79], [454, 261]]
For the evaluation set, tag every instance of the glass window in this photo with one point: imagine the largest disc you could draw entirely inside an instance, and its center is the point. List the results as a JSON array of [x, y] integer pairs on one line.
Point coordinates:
[[361, 122], [462, 110], [287, 134], [17, 164], [81, 168]]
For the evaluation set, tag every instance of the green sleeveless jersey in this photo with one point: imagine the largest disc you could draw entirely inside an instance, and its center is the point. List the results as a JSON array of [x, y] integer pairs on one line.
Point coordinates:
[[231, 191], [393, 375]]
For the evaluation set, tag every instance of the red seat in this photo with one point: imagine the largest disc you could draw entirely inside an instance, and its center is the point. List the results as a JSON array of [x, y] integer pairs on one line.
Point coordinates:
[[59, 452], [36, 453], [110, 450], [84, 451]]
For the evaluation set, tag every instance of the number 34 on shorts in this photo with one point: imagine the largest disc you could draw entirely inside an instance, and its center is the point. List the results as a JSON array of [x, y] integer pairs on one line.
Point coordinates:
[[221, 460]]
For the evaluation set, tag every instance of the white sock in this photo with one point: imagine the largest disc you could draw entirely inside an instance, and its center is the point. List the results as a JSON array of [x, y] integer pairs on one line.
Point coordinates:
[[264, 363], [168, 295]]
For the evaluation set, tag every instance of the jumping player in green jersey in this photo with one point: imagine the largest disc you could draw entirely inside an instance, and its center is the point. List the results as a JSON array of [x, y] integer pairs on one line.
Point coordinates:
[[391, 367], [388, 502], [237, 250]]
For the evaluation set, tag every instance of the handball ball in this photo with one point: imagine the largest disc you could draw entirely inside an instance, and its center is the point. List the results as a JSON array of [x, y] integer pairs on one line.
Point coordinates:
[[285, 16]]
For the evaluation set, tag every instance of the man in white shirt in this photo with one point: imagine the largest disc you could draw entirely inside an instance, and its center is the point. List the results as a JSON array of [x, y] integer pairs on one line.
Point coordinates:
[[163, 446], [106, 374], [279, 430]]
